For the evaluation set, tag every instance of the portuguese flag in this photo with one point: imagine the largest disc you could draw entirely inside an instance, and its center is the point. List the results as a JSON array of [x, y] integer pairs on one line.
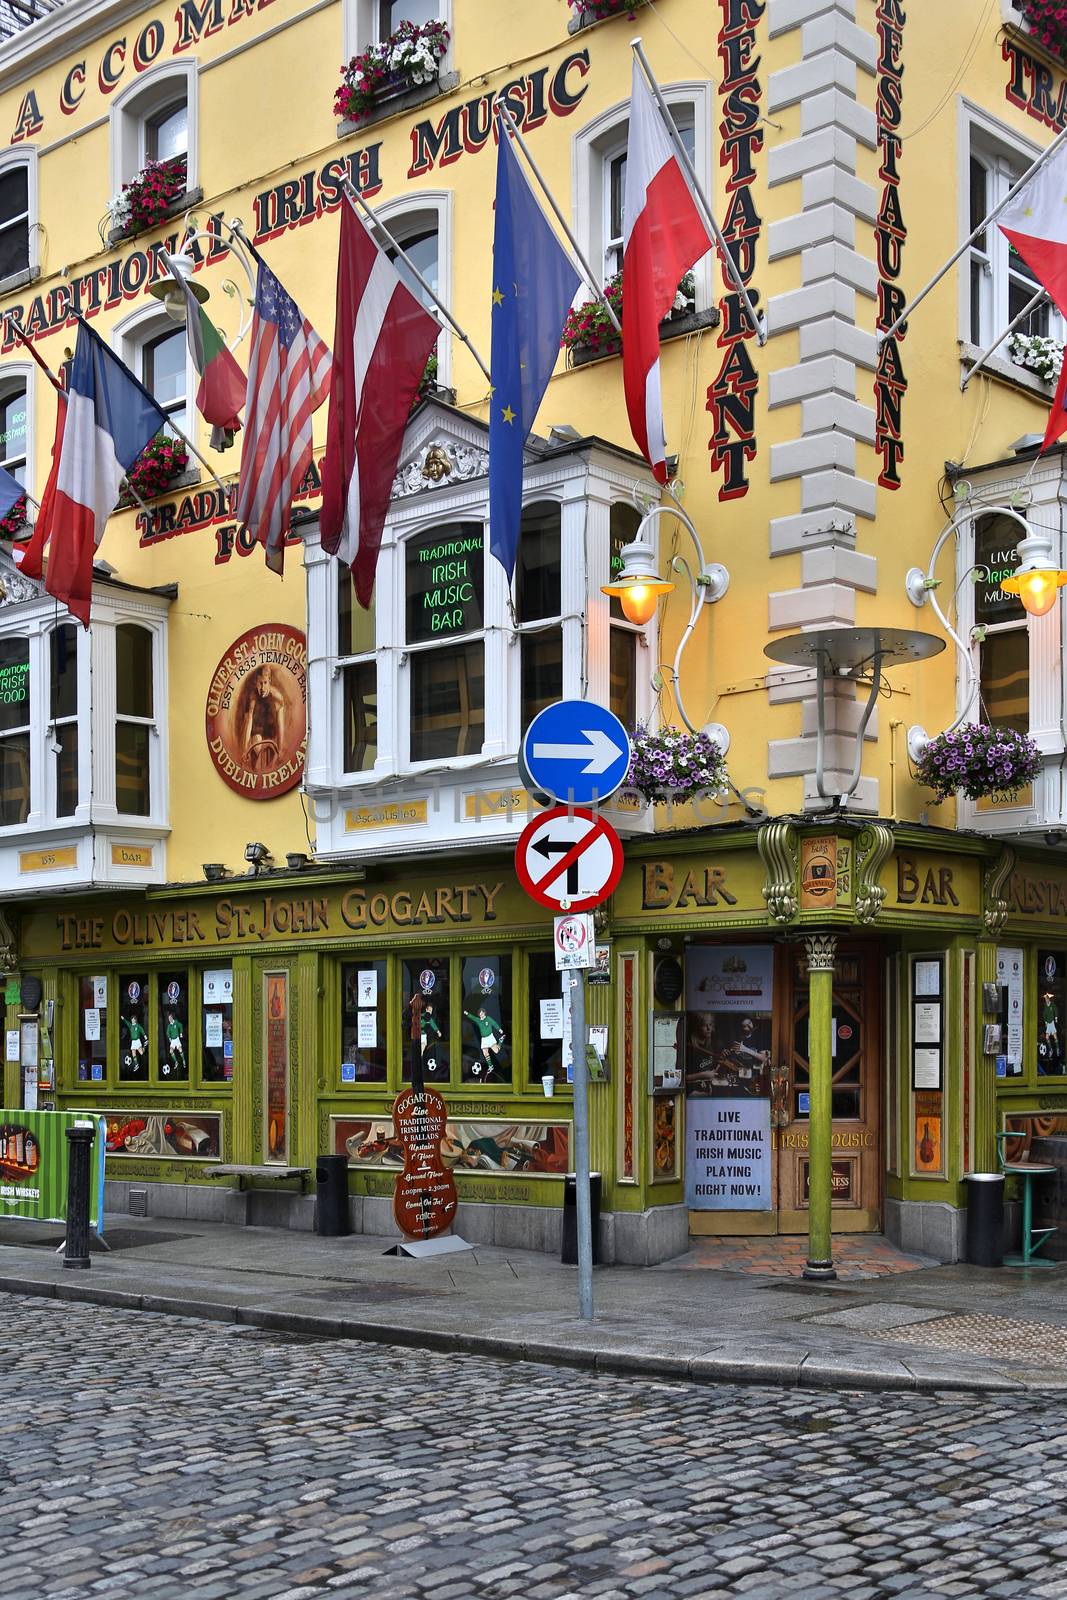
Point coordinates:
[[222, 383]]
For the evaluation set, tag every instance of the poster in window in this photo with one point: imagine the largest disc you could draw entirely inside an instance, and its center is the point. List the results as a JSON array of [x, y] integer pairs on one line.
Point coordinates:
[[276, 996], [927, 1022], [927, 1143], [256, 715], [1010, 981]]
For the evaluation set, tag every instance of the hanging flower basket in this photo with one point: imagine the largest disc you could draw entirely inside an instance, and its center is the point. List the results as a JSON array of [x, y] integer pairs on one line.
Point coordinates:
[[674, 765], [1047, 22], [980, 762], [409, 57], [587, 327], [12, 526], [146, 200], [162, 460]]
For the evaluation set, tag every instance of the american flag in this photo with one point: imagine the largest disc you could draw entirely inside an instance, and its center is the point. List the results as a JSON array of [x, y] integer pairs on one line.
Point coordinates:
[[288, 379]]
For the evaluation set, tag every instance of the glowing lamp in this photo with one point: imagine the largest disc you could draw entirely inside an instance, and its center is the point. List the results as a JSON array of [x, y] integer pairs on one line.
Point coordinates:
[[638, 586], [1036, 580]]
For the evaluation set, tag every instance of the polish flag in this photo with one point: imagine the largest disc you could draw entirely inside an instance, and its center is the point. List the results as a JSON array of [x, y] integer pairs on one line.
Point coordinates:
[[663, 235], [383, 339], [1035, 222]]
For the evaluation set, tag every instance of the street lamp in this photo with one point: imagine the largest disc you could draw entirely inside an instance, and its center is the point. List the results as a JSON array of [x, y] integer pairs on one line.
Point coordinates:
[[1036, 580], [639, 586]]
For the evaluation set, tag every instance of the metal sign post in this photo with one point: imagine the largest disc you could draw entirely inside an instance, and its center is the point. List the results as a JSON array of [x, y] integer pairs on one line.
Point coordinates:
[[581, 1146], [575, 947]]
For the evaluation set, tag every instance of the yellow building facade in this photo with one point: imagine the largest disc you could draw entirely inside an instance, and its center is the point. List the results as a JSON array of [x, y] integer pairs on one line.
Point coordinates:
[[244, 824]]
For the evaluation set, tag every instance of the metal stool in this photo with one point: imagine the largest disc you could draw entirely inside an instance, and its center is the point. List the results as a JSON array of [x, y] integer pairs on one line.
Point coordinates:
[[1032, 1239]]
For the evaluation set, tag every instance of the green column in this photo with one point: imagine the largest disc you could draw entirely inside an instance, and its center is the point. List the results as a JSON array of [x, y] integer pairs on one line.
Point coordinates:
[[820, 950]]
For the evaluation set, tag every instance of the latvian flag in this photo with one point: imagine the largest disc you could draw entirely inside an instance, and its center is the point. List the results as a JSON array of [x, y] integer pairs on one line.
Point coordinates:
[[663, 236], [382, 341]]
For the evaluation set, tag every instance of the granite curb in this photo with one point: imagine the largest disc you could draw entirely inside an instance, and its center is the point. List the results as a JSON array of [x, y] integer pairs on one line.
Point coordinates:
[[783, 1366]]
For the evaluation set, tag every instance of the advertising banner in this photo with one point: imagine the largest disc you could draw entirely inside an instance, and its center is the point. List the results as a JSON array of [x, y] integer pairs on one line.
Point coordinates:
[[33, 1165], [728, 1154]]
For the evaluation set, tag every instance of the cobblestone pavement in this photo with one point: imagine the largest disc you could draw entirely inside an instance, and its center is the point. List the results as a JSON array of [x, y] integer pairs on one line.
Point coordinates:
[[152, 1456]]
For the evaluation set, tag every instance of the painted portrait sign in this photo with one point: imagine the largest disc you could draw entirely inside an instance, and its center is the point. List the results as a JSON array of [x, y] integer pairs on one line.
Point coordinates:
[[257, 712]]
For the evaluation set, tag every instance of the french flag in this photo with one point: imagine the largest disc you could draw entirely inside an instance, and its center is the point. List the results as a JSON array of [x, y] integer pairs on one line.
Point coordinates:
[[110, 417], [1034, 222], [663, 235]]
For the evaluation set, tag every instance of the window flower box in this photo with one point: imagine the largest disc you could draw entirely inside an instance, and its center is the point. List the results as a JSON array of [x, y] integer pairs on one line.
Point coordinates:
[[673, 765], [408, 59], [589, 11], [162, 460], [1038, 354], [587, 332], [149, 199], [981, 762], [1043, 21], [14, 525]]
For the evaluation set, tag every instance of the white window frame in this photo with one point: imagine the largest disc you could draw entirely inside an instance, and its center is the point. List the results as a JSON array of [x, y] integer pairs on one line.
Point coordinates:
[[359, 26], [130, 110], [17, 375], [410, 215], [1047, 638], [134, 333], [25, 155], [598, 141], [1005, 155]]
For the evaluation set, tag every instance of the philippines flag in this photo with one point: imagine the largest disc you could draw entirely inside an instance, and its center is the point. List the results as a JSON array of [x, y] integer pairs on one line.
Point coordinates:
[[382, 341], [110, 417], [663, 235], [288, 379]]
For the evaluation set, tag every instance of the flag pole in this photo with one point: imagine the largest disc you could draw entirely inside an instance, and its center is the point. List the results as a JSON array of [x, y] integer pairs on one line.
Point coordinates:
[[586, 270], [729, 264], [353, 194], [1031, 305], [58, 387], [172, 425], [974, 234]]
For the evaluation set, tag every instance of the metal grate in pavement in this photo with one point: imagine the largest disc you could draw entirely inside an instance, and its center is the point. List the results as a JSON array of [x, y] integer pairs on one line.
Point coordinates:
[[1012, 1338]]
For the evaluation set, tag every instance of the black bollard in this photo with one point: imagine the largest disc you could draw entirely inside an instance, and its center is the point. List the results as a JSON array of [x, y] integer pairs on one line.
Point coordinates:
[[79, 1165]]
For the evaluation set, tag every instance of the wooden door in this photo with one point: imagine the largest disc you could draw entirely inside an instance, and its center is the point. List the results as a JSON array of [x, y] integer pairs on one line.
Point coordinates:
[[858, 1163]]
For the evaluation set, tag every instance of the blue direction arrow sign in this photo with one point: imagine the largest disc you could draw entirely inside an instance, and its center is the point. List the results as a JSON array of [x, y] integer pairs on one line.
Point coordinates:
[[576, 751]]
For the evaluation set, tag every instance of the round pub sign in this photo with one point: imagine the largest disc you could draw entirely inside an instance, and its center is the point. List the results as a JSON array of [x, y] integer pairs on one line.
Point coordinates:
[[257, 711]]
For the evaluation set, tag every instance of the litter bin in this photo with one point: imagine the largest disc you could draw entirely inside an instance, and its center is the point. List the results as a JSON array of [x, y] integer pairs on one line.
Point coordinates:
[[985, 1219], [569, 1249], [331, 1196]]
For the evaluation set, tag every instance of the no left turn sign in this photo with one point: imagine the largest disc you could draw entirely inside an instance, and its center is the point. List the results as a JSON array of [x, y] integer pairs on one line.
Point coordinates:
[[568, 859]]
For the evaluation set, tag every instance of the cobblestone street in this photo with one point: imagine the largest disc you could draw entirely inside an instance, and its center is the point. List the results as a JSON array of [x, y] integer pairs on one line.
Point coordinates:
[[149, 1455]]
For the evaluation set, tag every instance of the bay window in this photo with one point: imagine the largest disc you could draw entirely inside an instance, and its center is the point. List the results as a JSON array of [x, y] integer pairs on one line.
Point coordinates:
[[417, 707], [82, 737]]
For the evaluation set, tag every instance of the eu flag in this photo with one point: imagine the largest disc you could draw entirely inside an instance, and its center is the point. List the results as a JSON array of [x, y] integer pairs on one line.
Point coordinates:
[[533, 286]]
